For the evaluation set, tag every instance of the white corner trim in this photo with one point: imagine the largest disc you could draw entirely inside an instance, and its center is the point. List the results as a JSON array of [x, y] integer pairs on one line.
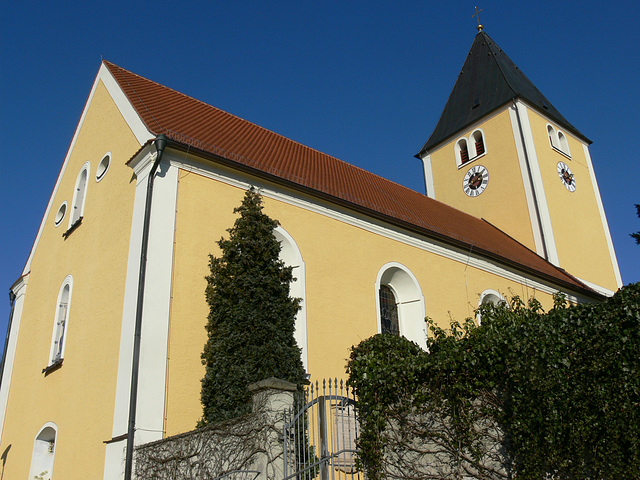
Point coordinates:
[[538, 186], [428, 176], [533, 216], [130, 115], [136, 125], [19, 290], [603, 217], [156, 309]]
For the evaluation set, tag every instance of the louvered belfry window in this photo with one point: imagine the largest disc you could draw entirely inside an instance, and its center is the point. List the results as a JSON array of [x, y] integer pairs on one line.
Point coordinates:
[[388, 311], [464, 156]]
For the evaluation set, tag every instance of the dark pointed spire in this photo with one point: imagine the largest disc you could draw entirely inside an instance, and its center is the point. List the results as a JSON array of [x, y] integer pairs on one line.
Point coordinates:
[[488, 80]]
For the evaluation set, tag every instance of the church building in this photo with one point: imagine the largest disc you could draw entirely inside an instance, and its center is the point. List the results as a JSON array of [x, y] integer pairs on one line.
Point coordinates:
[[113, 288]]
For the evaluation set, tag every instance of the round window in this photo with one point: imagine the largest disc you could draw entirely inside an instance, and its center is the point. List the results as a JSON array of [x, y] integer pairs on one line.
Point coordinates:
[[103, 166], [60, 213]]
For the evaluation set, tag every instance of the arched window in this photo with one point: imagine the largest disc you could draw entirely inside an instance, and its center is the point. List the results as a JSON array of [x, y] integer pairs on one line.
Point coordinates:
[[552, 136], [564, 145], [558, 140], [44, 451], [61, 321], [468, 149], [489, 296], [79, 195], [400, 303], [388, 311], [478, 141], [462, 151], [291, 256]]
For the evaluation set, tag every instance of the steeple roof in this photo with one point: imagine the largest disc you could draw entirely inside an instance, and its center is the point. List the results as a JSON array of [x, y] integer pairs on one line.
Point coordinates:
[[489, 80]]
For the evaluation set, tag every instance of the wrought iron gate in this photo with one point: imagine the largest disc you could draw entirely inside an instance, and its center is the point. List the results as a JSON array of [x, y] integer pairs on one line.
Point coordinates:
[[320, 434]]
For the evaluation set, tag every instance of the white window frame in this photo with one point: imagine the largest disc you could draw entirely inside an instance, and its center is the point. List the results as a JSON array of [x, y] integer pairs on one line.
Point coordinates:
[[292, 257], [411, 306], [558, 141], [60, 332], [108, 157], [471, 147], [487, 296], [44, 452], [79, 195]]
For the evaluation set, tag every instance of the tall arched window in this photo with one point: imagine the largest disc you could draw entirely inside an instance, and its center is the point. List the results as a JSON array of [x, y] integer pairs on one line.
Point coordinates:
[[388, 311], [400, 303], [61, 321], [79, 195], [44, 451], [291, 256]]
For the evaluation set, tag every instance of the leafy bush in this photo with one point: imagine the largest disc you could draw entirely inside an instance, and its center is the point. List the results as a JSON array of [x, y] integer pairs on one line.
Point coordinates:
[[558, 391]]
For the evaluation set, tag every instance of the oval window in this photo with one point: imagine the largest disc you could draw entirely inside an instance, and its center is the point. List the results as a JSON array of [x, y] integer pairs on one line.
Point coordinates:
[[103, 166], [62, 211]]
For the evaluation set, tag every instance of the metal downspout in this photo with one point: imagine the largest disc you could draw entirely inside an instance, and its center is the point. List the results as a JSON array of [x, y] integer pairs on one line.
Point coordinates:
[[160, 143], [533, 189]]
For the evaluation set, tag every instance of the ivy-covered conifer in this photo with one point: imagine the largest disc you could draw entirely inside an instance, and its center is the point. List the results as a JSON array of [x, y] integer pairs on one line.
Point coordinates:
[[252, 317]]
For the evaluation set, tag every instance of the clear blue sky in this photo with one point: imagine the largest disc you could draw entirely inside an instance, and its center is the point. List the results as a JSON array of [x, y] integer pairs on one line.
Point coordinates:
[[363, 81]]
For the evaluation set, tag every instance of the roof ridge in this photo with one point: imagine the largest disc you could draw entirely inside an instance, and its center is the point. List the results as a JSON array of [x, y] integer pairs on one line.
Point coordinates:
[[491, 43]]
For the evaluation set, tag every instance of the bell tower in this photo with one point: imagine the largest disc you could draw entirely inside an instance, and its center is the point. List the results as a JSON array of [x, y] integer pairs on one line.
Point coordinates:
[[501, 151]]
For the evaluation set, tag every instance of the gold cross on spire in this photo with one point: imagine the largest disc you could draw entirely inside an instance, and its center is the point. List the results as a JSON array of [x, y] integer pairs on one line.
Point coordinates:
[[477, 15]]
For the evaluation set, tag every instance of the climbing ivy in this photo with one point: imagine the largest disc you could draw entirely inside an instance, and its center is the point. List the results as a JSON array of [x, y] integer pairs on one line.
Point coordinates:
[[530, 394]]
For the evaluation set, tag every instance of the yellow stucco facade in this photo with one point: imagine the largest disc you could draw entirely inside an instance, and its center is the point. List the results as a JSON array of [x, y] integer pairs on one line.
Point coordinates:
[[505, 178], [578, 228], [343, 261], [78, 396]]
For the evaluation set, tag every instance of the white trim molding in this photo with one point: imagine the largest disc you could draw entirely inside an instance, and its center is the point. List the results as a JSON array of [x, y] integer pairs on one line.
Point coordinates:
[[19, 289], [241, 180], [292, 257], [428, 176], [156, 311], [411, 309], [534, 188], [138, 128], [603, 217]]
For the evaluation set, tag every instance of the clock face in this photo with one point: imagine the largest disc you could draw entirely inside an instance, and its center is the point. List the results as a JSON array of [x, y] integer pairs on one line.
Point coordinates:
[[475, 181], [566, 176]]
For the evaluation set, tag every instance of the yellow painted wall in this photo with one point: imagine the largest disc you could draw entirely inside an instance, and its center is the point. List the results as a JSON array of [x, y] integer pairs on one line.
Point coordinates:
[[342, 263], [503, 203], [577, 226], [78, 397]]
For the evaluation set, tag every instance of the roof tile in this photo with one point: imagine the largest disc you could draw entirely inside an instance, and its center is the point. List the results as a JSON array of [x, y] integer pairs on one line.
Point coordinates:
[[211, 130]]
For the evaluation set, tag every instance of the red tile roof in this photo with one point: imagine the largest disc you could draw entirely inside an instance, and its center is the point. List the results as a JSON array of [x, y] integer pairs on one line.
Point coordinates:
[[246, 145]]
